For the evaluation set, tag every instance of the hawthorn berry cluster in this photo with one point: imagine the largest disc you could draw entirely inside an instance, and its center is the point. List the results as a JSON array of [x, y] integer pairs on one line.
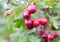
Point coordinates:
[[30, 24], [46, 37]]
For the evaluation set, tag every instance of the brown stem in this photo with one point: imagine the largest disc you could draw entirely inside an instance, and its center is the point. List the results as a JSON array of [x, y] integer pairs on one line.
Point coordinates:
[[8, 39]]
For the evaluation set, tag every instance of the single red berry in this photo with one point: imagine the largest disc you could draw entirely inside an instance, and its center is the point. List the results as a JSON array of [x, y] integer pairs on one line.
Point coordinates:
[[26, 15], [29, 27], [28, 24], [50, 37], [7, 14], [35, 23], [31, 9], [43, 21], [44, 36], [40, 32], [55, 34], [44, 40]]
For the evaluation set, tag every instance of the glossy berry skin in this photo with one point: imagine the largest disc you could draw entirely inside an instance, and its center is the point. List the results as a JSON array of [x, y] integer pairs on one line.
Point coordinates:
[[55, 34], [44, 36], [31, 9], [40, 32], [50, 37], [28, 24], [43, 21], [35, 23], [26, 15]]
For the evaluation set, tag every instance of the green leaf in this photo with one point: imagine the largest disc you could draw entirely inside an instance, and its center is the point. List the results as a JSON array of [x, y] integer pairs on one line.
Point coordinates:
[[14, 4], [19, 22], [37, 3], [18, 11], [56, 39], [42, 1], [50, 22], [55, 25], [54, 21], [1, 8]]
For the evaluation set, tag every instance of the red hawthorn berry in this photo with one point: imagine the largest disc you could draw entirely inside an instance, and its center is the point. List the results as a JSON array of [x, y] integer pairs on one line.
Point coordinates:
[[50, 37], [26, 15], [44, 40], [35, 23], [28, 24], [40, 32], [43, 21], [31, 9], [55, 34], [44, 36], [9, 13], [29, 27]]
